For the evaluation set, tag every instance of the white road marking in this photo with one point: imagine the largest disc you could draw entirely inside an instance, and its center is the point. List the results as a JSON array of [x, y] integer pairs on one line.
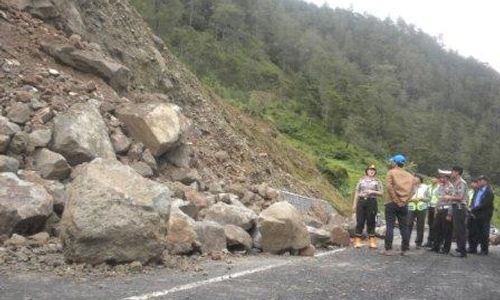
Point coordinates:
[[222, 278]]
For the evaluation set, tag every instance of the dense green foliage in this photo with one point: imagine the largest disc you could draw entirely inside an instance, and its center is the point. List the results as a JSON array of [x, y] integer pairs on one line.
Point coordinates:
[[366, 83], [381, 85]]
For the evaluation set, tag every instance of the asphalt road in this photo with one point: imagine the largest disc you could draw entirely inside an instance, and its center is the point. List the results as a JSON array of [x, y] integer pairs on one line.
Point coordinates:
[[339, 274]]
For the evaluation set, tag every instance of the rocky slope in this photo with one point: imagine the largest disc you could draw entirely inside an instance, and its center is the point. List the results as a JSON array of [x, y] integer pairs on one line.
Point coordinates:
[[101, 127]]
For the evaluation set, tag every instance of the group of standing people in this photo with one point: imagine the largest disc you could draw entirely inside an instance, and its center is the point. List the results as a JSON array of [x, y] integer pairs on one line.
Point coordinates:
[[452, 209]]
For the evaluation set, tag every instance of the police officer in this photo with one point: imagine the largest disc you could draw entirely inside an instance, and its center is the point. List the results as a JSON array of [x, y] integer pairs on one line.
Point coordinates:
[[443, 228], [459, 201], [365, 206]]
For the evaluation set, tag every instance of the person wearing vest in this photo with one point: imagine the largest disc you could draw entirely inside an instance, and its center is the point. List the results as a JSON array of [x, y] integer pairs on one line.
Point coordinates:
[[365, 206], [431, 210], [400, 188], [417, 210], [481, 211], [443, 227], [472, 190]]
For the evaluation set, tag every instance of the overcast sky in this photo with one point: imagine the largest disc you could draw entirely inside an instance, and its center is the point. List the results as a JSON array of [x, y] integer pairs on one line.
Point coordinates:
[[470, 27]]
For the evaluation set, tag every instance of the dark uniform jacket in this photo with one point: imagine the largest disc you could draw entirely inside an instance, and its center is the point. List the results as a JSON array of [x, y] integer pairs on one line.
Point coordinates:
[[485, 209]]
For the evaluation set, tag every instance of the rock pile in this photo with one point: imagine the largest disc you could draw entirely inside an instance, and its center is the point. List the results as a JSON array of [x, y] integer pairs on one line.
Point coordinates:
[[106, 176]]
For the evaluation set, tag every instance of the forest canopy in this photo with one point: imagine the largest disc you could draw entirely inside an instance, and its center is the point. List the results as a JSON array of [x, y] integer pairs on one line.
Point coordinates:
[[383, 85]]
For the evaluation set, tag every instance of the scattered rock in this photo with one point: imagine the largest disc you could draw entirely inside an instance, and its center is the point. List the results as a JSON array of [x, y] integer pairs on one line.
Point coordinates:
[[180, 156], [16, 240], [40, 138], [307, 251], [185, 175], [4, 143], [339, 236], [211, 236], [222, 156], [319, 237], [80, 135], [282, 228], [51, 165], [120, 142], [224, 214], [142, 168], [159, 126], [24, 206], [8, 128], [39, 239], [131, 212], [55, 188], [8, 164], [181, 237], [20, 113], [117, 75], [20, 143], [237, 238], [149, 159]]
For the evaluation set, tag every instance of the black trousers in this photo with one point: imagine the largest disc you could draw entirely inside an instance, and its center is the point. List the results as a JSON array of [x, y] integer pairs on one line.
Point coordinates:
[[479, 234], [443, 231], [366, 212], [459, 227], [393, 211], [431, 213], [419, 216]]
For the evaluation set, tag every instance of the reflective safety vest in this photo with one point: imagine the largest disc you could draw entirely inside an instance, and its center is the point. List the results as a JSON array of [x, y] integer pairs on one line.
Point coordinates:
[[420, 198], [471, 195], [434, 195]]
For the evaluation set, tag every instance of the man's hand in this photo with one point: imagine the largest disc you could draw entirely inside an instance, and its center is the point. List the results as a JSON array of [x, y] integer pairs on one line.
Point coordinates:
[[448, 218]]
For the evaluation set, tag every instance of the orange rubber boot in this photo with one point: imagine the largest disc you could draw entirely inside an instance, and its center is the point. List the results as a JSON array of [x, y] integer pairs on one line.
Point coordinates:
[[357, 242]]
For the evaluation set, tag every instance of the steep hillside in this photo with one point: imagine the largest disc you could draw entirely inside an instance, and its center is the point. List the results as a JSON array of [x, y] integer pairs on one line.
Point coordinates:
[[228, 146], [382, 85]]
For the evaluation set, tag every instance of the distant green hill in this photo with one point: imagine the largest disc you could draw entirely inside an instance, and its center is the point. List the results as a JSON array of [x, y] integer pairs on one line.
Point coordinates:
[[348, 88]]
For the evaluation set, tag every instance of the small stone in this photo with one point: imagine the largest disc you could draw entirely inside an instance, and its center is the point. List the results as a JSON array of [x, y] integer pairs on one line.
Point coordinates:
[[8, 128], [121, 144], [142, 168], [51, 165], [43, 116], [54, 72], [40, 138], [307, 251], [37, 104], [19, 143], [8, 164], [4, 143], [16, 240], [19, 113], [39, 239], [136, 266]]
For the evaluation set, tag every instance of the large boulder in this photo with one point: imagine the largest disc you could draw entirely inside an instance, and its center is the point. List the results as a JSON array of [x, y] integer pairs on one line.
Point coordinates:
[[181, 237], [282, 228], [114, 73], [224, 214], [159, 126], [80, 135], [24, 206], [211, 236], [237, 238], [51, 165], [114, 215]]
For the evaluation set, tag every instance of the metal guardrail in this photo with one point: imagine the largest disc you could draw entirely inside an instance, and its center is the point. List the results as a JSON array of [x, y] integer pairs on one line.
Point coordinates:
[[304, 204]]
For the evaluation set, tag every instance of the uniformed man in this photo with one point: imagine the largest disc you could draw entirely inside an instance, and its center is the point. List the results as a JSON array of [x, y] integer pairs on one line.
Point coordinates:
[[459, 201], [443, 227]]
